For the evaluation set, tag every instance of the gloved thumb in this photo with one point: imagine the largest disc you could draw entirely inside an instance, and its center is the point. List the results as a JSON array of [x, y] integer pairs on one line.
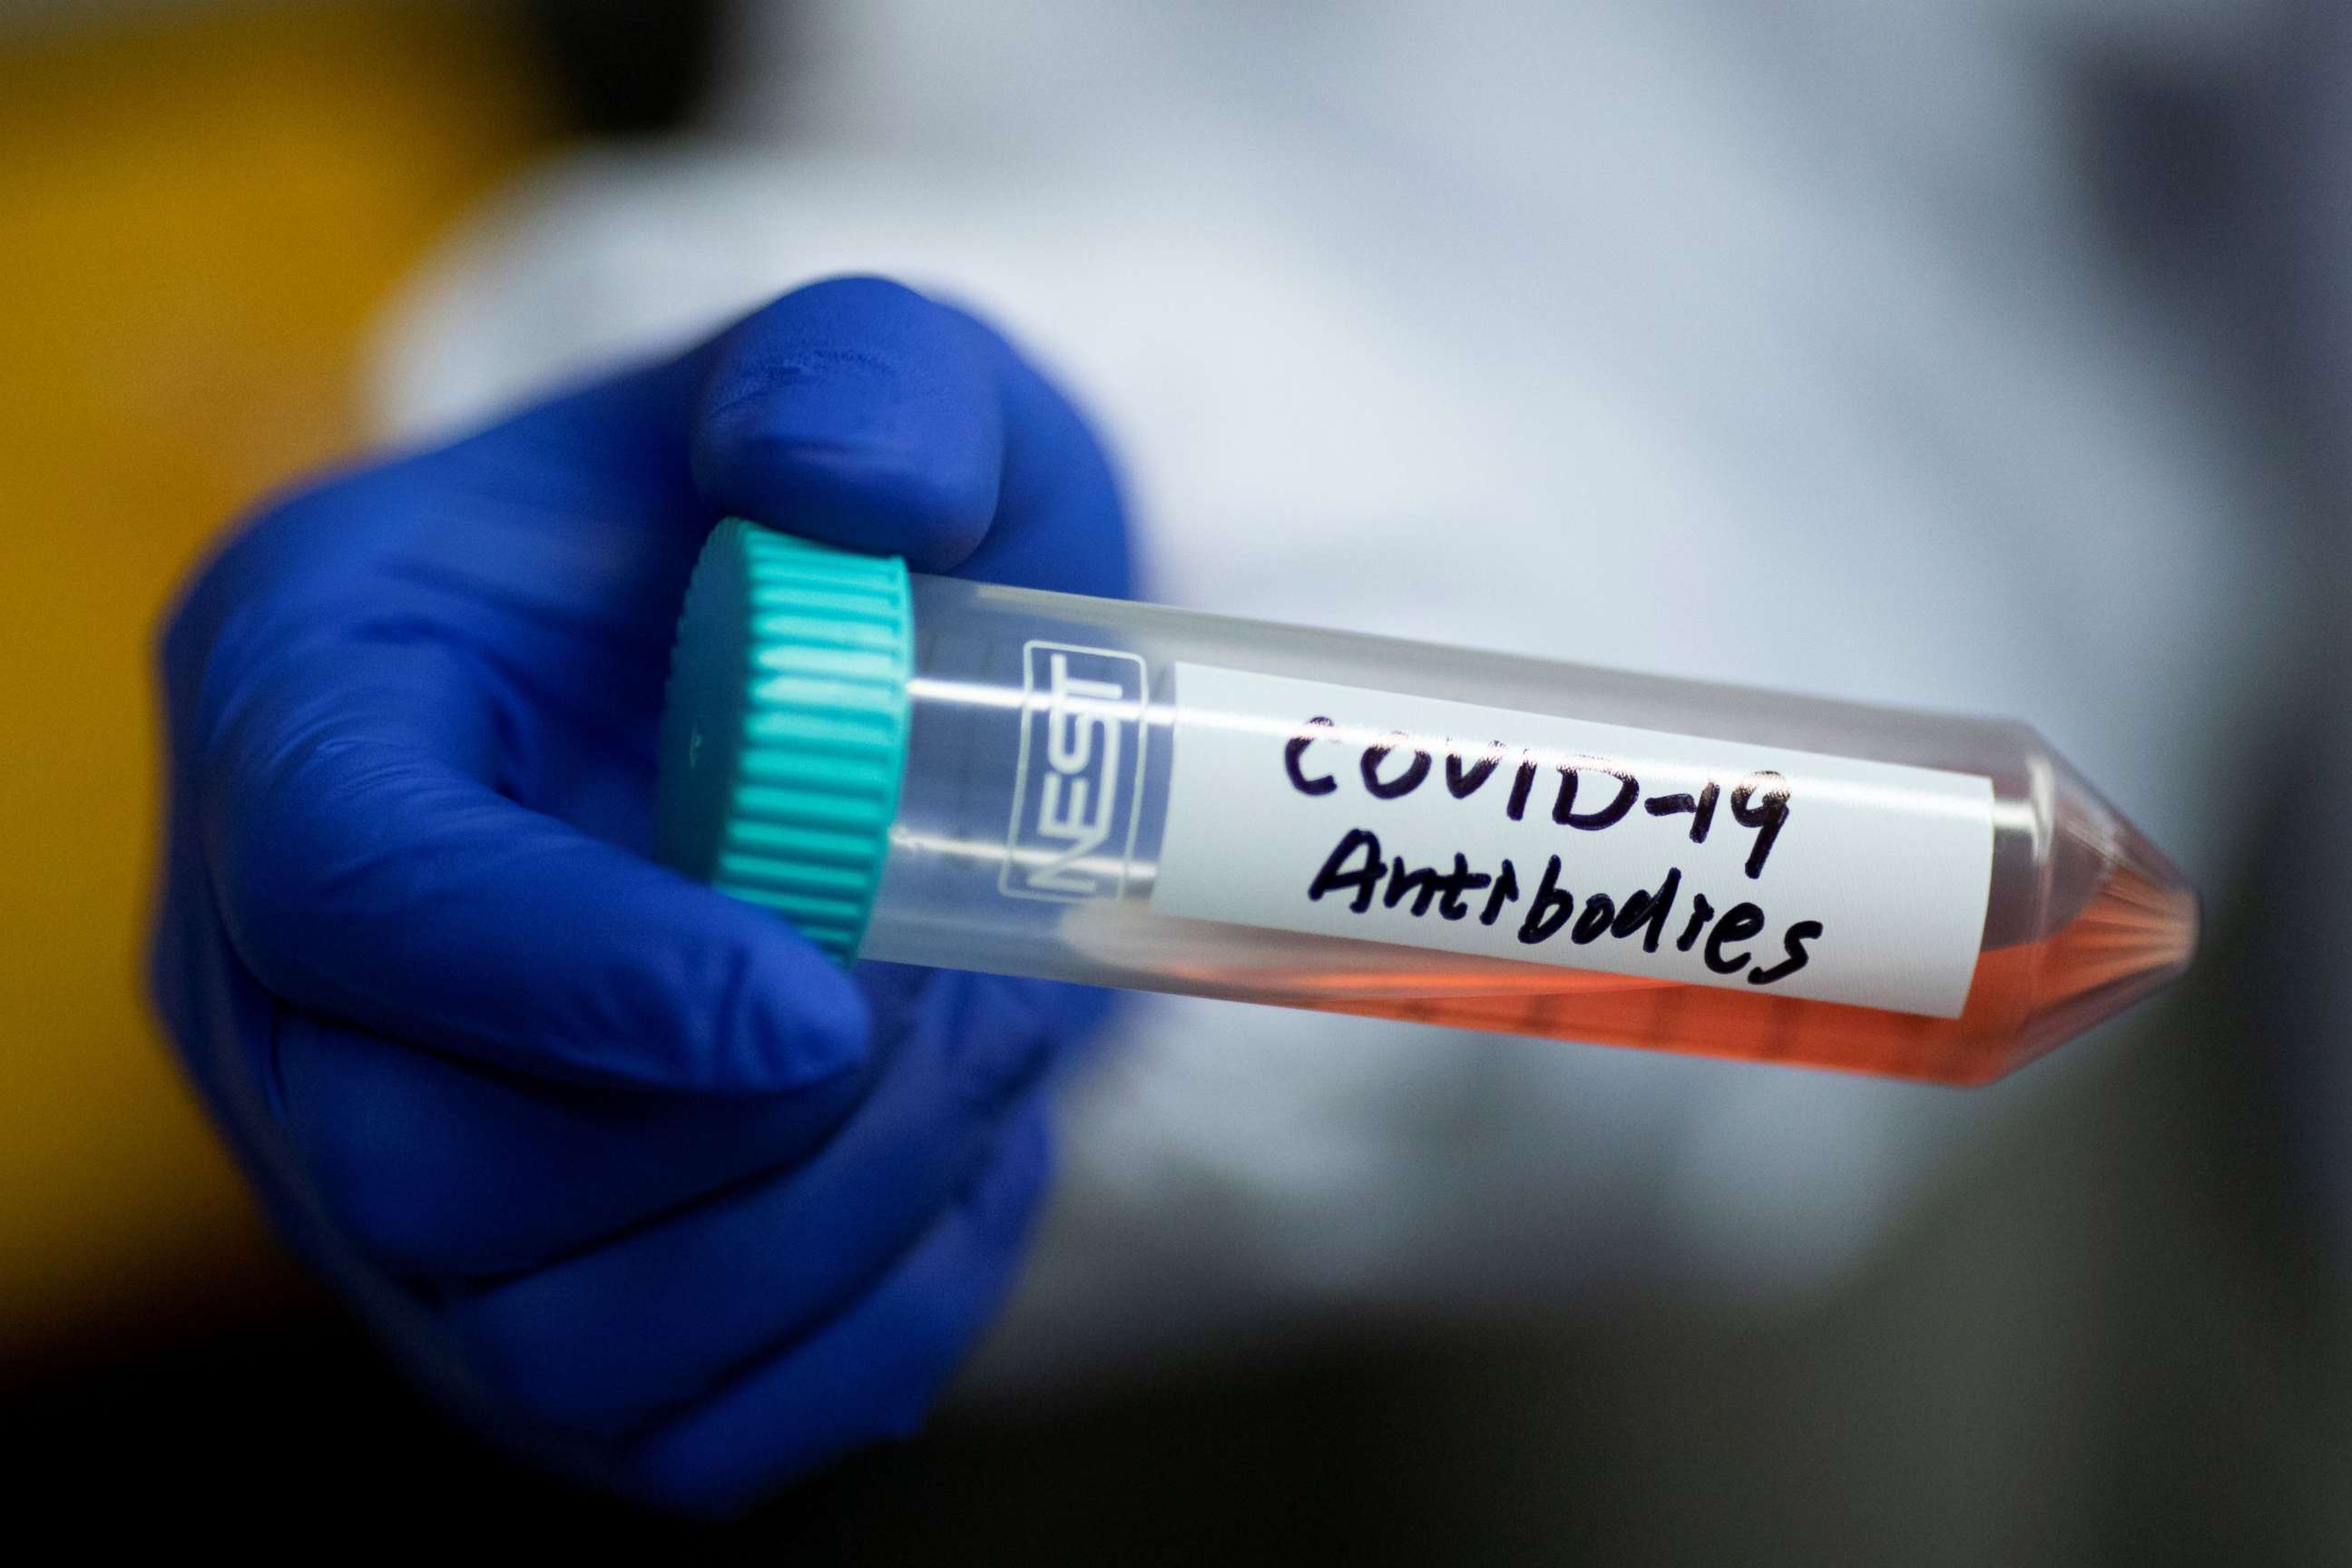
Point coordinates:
[[856, 412]]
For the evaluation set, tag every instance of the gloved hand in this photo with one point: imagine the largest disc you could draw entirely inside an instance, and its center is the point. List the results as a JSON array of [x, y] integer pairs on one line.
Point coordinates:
[[622, 1167]]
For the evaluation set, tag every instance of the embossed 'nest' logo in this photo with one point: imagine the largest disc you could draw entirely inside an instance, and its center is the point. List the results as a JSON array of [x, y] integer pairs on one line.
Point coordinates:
[[1081, 775]]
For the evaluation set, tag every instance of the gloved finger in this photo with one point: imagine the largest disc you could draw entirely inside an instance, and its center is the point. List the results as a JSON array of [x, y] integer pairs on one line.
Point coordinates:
[[439, 1168], [858, 412], [577, 516], [365, 869], [873, 1372], [852, 410], [657, 1316], [1059, 521]]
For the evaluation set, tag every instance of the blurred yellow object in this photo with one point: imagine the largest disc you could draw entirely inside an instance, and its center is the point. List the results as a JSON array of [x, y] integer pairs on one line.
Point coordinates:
[[199, 213]]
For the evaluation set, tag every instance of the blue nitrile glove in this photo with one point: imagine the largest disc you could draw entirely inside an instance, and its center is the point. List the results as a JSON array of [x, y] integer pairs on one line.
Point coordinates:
[[622, 1167]]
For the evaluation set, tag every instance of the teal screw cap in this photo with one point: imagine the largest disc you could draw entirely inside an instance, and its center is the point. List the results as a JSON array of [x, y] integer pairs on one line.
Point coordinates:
[[784, 736]]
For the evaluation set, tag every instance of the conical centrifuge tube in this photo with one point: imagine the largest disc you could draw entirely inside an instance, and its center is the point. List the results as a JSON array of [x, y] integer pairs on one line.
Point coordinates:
[[936, 772]]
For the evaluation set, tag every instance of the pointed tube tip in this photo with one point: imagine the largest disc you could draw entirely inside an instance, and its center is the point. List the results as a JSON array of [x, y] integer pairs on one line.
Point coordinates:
[[2133, 929]]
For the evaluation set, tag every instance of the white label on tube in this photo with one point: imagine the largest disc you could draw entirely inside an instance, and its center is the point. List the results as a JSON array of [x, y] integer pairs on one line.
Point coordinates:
[[1305, 807]]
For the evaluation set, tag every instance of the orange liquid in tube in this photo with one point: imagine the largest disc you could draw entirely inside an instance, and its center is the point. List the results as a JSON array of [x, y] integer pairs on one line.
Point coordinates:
[[2132, 937]]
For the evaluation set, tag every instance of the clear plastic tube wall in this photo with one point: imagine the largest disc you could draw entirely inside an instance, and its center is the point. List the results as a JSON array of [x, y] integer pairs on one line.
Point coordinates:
[[1131, 795]]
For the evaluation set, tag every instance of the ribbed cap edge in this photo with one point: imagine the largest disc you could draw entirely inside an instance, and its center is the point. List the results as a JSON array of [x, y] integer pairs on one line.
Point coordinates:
[[785, 734]]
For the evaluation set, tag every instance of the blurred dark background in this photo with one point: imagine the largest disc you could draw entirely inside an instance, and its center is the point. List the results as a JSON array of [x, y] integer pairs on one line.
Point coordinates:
[[2116, 1330]]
